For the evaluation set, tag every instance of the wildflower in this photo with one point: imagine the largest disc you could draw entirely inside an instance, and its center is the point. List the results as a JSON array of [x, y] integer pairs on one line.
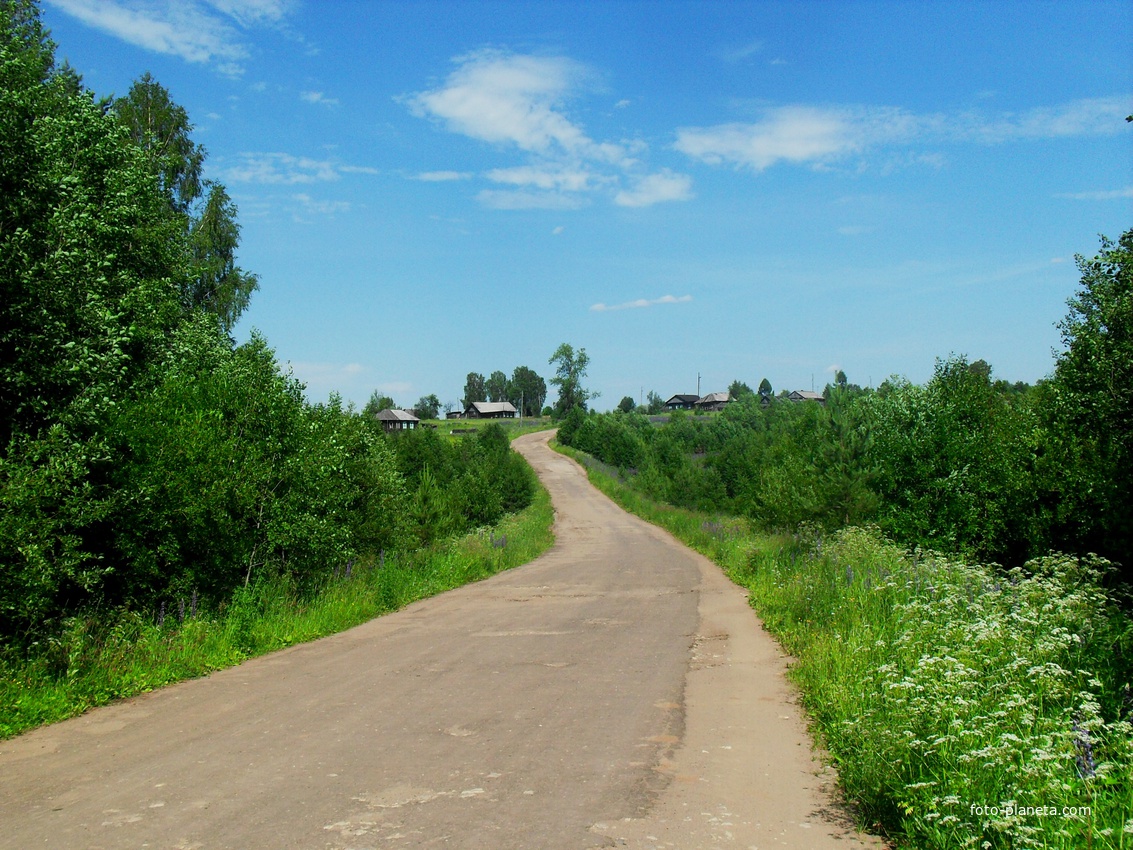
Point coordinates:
[[1084, 759]]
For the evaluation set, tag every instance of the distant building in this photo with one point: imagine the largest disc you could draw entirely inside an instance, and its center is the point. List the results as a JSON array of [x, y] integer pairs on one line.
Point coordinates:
[[490, 410], [713, 401], [454, 414], [682, 402], [397, 420], [807, 395]]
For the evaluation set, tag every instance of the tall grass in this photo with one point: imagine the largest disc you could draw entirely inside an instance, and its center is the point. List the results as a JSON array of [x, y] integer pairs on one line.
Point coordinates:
[[110, 655], [964, 705]]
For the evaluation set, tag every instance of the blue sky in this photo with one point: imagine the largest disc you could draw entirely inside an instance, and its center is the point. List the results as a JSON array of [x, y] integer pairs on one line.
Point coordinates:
[[740, 189]]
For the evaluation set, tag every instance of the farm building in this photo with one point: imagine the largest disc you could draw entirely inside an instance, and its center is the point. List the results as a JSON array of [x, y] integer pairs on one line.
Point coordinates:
[[713, 401], [682, 402], [490, 410], [397, 420], [807, 395]]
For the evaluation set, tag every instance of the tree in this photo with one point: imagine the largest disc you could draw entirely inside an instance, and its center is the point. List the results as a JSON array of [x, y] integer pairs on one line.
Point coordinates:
[[161, 129], [654, 404], [428, 407], [570, 369], [765, 390], [738, 389], [627, 404], [497, 386], [528, 390], [474, 389], [1093, 392], [377, 404]]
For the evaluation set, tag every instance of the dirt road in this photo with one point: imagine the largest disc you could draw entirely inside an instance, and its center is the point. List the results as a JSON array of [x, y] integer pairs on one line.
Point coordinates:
[[616, 692]]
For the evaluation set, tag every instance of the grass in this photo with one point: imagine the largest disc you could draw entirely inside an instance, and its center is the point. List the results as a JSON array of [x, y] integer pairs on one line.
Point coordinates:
[[964, 705], [512, 427], [99, 659]]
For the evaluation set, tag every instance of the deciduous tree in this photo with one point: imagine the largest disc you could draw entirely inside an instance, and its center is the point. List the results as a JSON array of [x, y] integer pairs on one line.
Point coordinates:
[[474, 389], [570, 369]]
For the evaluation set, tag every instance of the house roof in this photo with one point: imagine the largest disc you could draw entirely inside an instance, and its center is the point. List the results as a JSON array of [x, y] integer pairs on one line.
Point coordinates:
[[715, 398], [397, 416], [493, 407], [684, 398], [807, 395]]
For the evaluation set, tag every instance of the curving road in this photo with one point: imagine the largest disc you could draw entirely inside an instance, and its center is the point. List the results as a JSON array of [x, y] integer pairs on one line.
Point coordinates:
[[616, 692]]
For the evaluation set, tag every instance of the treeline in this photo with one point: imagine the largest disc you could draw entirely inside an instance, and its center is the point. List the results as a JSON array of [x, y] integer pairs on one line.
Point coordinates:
[[963, 464], [145, 457]]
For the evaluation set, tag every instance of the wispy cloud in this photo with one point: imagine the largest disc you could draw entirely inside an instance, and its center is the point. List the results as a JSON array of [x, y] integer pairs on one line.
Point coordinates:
[[200, 32], [530, 200], [1103, 195], [736, 54], [639, 303], [519, 102], [655, 189], [818, 135], [314, 206], [443, 176], [318, 97], [283, 168]]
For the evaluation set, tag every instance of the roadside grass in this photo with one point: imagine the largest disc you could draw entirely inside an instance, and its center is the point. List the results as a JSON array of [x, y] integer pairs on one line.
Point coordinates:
[[99, 659], [964, 705]]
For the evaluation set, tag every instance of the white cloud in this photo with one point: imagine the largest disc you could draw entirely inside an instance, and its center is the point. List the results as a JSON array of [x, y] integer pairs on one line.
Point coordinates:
[[182, 29], [639, 303], [557, 230], [656, 188], [1103, 195], [529, 200], [196, 31], [283, 168], [508, 99], [252, 12], [520, 102], [819, 135], [443, 176], [315, 207], [318, 97], [544, 177]]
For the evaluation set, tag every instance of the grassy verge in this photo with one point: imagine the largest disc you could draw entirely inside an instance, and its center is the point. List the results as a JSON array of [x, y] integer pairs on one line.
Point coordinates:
[[964, 706], [101, 659]]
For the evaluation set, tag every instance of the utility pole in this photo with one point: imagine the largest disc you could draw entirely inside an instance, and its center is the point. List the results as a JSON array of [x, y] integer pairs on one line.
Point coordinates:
[[698, 385]]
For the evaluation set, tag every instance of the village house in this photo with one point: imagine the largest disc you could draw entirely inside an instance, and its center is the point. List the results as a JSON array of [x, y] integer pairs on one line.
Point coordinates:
[[397, 420], [807, 395], [682, 402], [490, 410], [713, 401]]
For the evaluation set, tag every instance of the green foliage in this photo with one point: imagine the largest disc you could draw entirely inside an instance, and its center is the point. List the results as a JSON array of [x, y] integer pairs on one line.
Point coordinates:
[[161, 130], [497, 386], [527, 389], [428, 407], [627, 404], [953, 464], [475, 389], [377, 403], [570, 369], [1091, 396]]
